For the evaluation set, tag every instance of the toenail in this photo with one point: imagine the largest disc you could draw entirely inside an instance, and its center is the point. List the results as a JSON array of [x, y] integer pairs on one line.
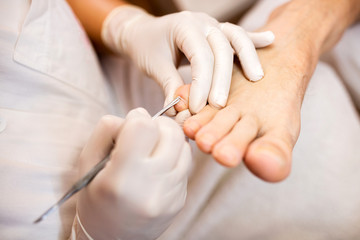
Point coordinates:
[[271, 153], [228, 156], [181, 105], [206, 141]]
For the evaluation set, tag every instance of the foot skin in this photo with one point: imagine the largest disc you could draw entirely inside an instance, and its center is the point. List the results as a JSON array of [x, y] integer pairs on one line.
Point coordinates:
[[261, 121]]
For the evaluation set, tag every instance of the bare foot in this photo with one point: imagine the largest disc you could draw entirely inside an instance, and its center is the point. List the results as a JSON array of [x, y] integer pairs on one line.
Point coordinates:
[[261, 121]]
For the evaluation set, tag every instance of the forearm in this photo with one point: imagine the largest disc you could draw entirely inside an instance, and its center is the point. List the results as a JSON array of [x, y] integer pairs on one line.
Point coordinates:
[[92, 14]]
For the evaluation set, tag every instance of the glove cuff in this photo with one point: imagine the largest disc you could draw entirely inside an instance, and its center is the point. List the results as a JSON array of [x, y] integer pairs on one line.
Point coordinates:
[[78, 231], [113, 31]]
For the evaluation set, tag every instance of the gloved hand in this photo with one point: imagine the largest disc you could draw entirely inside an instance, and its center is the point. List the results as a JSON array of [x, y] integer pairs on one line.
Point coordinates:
[[155, 45], [143, 186]]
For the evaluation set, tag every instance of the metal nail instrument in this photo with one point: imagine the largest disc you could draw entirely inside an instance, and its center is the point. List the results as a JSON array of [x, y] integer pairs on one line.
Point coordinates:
[[84, 181]]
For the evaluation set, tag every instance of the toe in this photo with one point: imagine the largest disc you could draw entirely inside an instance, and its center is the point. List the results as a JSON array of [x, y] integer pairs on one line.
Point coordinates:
[[193, 124], [183, 92], [269, 157], [216, 129], [231, 149]]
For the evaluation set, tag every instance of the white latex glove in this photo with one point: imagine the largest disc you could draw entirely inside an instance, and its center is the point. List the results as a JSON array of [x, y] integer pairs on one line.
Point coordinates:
[[155, 45], [143, 186]]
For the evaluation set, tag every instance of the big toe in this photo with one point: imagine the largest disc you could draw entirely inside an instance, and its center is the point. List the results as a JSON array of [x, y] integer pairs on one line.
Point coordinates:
[[269, 157]]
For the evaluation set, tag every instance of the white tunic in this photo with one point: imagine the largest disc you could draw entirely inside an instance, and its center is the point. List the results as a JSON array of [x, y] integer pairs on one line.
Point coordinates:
[[52, 92]]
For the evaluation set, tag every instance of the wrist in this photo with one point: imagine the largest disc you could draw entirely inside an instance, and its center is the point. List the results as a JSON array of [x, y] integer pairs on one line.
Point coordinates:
[[114, 29]]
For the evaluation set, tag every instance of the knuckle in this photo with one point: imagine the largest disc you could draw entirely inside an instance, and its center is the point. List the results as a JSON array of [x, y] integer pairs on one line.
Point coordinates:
[[185, 13], [226, 26], [141, 110], [136, 111], [239, 28], [242, 40], [152, 209], [211, 30], [141, 123], [207, 17]]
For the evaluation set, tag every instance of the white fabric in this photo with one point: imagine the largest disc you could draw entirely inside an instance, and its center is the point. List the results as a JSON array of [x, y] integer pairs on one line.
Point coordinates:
[[52, 92], [49, 118], [345, 58]]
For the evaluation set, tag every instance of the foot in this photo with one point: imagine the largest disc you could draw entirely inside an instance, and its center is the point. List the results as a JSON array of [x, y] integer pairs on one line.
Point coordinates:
[[261, 121]]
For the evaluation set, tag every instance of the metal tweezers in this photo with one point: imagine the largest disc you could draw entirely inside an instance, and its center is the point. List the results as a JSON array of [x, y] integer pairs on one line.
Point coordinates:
[[84, 181]]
